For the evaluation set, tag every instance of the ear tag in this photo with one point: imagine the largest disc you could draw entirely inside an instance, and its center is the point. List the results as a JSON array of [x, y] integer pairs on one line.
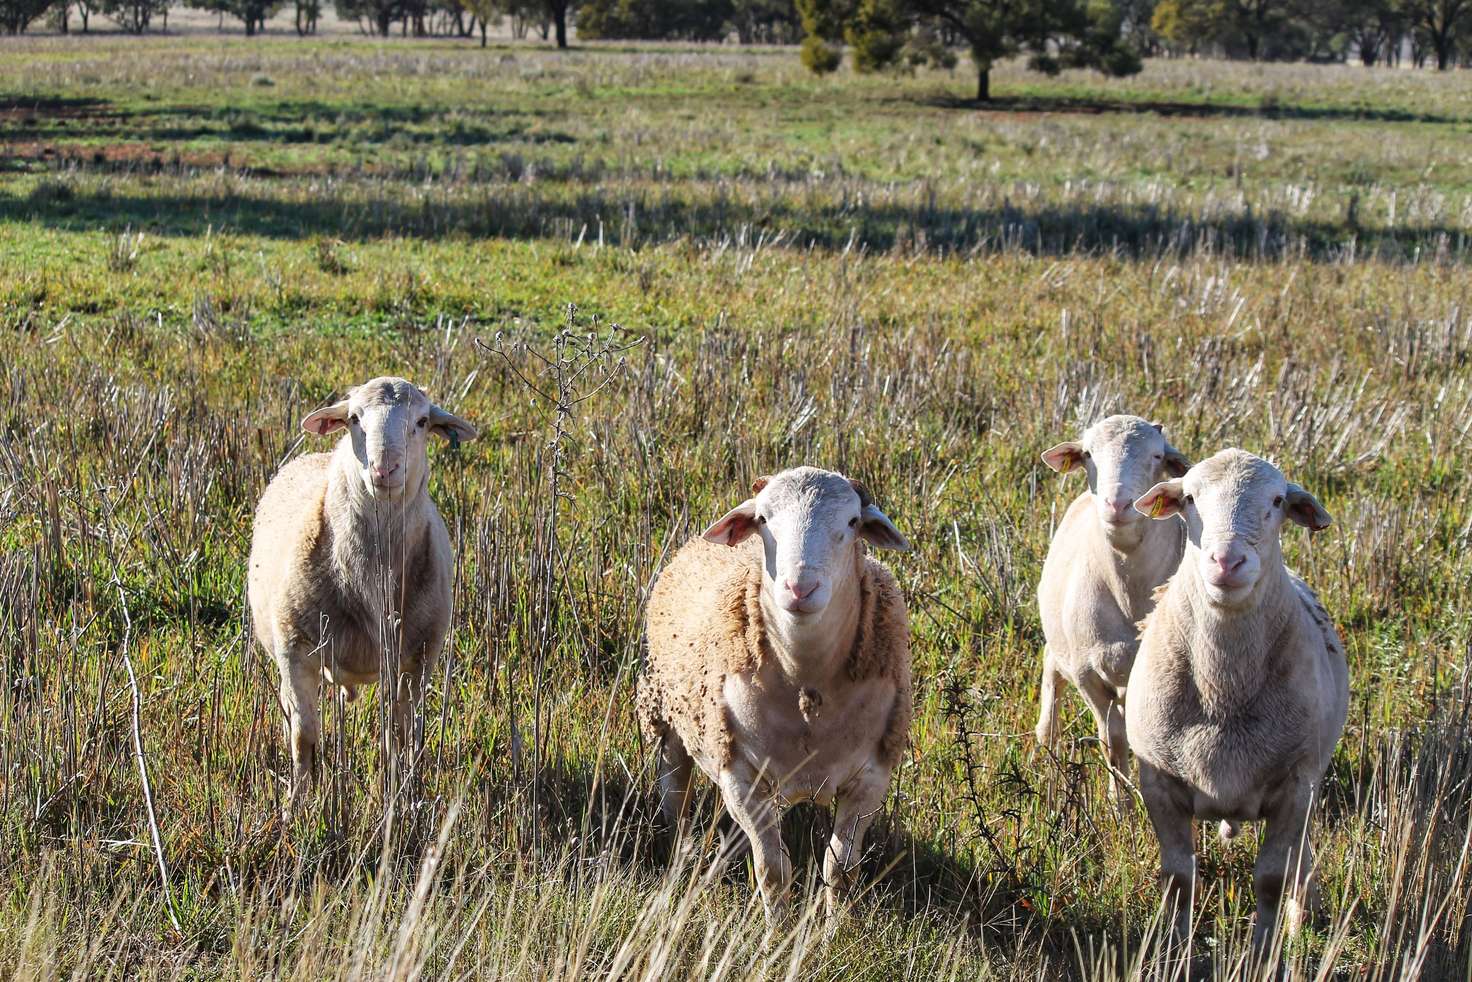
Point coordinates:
[[1157, 506], [1067, 464], [454, 439]]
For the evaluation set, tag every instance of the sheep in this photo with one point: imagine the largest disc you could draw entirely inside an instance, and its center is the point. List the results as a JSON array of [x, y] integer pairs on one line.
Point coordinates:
[[1102, 569], [350, 564], [779, 662], [1240, 688]]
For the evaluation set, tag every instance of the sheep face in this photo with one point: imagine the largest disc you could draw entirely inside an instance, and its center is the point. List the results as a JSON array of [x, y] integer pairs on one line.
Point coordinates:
[[1234, 505], [388, 422], [810, 522], [1122, 457]]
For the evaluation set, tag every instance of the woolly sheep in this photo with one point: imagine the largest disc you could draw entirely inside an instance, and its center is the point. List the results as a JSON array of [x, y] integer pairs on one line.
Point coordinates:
[[779, 662], [1102, 569], [1240, 689], [350, 564]]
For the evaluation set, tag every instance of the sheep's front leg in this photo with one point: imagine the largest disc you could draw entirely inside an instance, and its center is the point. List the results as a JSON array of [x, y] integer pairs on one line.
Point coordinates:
[[1109, 723], [300, 674], [675, 771], [755, 809], [858, 804], [406, 724], [1284, 866], [1171, 819], [1049, 692]]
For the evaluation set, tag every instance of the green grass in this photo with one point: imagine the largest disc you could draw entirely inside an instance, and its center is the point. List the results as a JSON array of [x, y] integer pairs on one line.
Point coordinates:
[[864, 273]]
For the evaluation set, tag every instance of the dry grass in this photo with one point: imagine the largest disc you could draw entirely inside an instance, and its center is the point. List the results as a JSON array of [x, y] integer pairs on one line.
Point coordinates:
[[150, 401]]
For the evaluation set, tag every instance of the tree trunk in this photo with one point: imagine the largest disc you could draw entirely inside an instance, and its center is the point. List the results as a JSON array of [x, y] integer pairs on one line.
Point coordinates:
[[559, 20], [482, 32], [984, 85]]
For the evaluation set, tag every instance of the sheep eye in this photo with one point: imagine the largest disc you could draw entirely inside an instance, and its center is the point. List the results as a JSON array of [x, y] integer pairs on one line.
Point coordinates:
[[761, 519], [423, 421], [1160, 456], [1278, 501], [1190, 500], [1087, 455], [853, 521], [353, 419]]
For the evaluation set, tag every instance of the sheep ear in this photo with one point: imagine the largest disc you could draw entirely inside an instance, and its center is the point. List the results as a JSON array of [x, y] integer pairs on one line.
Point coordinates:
[[451, 427], [1176, 463], [1162, 501], [876, 528], [1064, 457], [734, 526], [1305, 509], [328, 419]]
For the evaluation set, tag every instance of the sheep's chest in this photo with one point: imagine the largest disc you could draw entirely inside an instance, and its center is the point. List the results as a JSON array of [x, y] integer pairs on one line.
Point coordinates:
[[808, 741]]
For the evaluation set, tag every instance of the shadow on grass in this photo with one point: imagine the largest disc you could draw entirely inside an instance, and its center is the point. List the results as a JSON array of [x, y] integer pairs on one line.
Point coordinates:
[[640, 218], [1083, 106]]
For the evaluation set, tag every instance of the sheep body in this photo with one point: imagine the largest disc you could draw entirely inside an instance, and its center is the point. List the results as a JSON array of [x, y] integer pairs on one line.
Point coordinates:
[[350, 566], [1239, 693], [779, 663], [1100, 575], [705, 628]]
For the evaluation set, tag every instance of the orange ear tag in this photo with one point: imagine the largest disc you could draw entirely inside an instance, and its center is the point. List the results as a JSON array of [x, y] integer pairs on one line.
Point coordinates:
[[1157, 506]]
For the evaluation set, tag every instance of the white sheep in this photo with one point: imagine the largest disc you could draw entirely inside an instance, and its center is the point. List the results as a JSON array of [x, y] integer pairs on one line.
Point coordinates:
[[1102, 569], [1240, 689], [779, 662], [350, 564]]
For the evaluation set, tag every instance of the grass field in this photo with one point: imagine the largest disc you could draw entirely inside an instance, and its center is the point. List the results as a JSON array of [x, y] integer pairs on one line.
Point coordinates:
[[201, 240]]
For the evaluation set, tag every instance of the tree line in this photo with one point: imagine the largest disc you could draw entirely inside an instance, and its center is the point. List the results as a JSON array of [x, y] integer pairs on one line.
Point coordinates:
[[1111, 36]]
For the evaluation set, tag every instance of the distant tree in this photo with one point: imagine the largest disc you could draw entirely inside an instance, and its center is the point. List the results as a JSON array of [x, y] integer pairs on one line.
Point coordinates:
[[765, 21], [1186, 24], [558, 12], [133, 16], [17, 15], [1442, 25], [1056, 34], [1371, 27], [1247, 24], [823, 24], [685, 20], [307, 13]]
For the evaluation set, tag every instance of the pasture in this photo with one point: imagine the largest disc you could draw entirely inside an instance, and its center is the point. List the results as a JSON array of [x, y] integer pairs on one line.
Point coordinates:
[[651, 274]]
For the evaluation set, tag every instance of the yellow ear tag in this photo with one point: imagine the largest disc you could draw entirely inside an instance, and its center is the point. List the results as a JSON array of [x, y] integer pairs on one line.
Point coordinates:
[[1067, 464], [1157, 506]]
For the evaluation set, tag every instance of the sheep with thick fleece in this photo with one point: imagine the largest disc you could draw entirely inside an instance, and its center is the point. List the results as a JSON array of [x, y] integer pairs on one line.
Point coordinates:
[[1099, 578], [350, 564], [1240, 688], [779, 662]]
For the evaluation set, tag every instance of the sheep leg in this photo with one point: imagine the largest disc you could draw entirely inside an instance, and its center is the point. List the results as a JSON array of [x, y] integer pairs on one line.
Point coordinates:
[[1167, 805], [1049, 692], [675, 771], [300, 702], [856, 808], [407, 734], [1109, 724], [755, 810], [1284, 867]]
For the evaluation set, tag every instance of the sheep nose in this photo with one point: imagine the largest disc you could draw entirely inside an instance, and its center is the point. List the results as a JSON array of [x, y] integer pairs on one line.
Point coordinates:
[[380, 471], [1228, 560], [801, 590], [1120, 506]]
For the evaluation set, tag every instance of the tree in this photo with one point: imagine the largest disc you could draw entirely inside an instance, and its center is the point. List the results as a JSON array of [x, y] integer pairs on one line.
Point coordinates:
[[16, 15], [558, 11], [1056, 34], [662, 20], [1257, 28], [1442, 24], [133, 16]]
